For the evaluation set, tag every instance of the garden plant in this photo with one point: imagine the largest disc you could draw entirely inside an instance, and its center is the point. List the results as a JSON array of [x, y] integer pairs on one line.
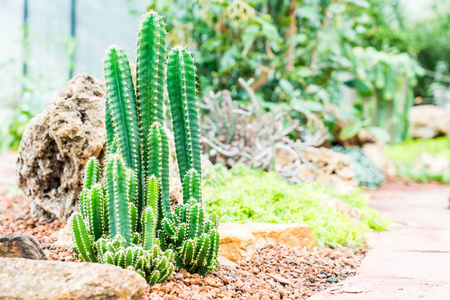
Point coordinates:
[[126, 218]]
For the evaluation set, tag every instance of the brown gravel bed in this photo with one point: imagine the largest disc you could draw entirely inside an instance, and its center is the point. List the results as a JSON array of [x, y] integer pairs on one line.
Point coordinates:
[[273, 272]]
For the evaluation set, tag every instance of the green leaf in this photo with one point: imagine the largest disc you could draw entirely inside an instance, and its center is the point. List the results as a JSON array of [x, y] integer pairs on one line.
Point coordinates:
[[312, 106], [350, 131], [379, 133]]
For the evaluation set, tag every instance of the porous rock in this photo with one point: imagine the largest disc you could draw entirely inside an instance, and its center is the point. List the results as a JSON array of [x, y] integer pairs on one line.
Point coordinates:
[[57, 144], [338, 205], [327, 166], [36, 279], [19, 245], [238, 241], [429, 121], [65, 236]]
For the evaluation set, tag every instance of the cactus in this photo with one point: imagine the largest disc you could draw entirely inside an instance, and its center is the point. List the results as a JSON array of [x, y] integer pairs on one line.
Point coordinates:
[[126, 220], [195, 239], [181, 86], [150, 75]]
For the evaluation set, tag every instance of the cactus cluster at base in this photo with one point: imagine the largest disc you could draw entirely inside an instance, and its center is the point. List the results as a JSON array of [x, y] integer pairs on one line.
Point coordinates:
[[126, 219]]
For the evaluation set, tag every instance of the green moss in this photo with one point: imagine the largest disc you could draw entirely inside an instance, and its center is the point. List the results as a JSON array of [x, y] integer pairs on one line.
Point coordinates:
[[245, 195], [409, 151]]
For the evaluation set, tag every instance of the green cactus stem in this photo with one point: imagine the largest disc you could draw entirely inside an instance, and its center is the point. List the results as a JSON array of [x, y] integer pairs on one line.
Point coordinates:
[[81, 239], [121, 107], [158, 164], [91, 173], [150, 73], [152, 196], [95, 211], [191, 187], [149, 221], [181, 86], [119, 206]]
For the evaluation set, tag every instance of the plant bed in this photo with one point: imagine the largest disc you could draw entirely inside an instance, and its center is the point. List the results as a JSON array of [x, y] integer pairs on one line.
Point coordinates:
[[273, 271], [242, 195]]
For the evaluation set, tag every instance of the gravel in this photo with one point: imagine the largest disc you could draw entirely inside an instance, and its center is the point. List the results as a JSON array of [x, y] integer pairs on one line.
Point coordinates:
[[273, 272]]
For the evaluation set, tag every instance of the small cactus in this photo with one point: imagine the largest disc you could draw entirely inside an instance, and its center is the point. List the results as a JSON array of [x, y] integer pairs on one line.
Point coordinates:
[[127, 220]]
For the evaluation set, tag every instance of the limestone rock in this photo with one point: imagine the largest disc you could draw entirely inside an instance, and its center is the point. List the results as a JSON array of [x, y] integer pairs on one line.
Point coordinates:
[[58, 143], [35, 279], [225, 262], [343, 208], [375, 152], [238, 241], [19, 245], [65, 236], [429, 121], [434, 163], [327, 166]]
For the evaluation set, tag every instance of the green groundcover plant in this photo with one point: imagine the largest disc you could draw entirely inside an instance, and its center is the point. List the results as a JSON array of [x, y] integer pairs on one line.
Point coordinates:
[[246, 195], [406, 154], [126, 218]]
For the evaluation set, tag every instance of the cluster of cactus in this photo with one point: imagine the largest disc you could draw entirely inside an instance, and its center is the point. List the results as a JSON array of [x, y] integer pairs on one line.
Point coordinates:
[[126, 218]]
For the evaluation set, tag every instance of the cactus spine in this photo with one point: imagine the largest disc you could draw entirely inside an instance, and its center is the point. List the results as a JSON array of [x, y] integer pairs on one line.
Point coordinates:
[[127, 221]]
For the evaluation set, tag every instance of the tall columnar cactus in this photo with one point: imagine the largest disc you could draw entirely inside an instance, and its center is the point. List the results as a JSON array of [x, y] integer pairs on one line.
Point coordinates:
[[191, 235], [127, 220], [150, 73], [181, 86]]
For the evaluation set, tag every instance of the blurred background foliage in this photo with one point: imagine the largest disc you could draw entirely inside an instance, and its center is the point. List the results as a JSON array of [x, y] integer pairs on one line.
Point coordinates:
[[353, 64], [299, 54]]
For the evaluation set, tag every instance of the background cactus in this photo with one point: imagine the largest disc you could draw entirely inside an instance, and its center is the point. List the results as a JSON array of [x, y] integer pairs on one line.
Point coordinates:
[[127, 221]]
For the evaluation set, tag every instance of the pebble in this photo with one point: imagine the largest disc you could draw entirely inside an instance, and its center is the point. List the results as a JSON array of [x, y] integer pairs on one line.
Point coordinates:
[[332, 280]]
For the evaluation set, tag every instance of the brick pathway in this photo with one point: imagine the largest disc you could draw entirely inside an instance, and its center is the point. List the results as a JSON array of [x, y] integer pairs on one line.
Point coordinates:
[[410, 262]]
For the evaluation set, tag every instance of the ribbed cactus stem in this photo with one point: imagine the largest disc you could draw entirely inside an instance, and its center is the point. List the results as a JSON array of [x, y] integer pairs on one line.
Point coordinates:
[[132, 186], [158, 164], [191, 187], [181, 86], [91, 173], [153, 189], [149, 221], [150, 73], [118, 201], [121, 107], [81, 239], [95, 211]]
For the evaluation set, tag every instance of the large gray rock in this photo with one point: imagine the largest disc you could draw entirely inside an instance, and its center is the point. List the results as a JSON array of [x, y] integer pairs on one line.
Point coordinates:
[[58, 143], [19, 245], [37, 279], [429, 121]]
